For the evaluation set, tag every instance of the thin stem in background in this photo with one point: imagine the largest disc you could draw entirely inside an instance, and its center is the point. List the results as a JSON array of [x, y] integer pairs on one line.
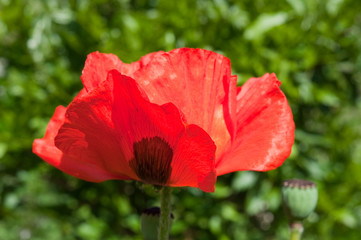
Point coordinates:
[[296, 230]]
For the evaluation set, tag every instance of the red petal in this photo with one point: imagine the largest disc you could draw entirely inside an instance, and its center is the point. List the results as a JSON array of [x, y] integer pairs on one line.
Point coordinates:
[[198, 82], [193, 161], [137, 118], [101, 127], [88, 136], [46, 149], [230, 106], [97, 66], [265, 128]]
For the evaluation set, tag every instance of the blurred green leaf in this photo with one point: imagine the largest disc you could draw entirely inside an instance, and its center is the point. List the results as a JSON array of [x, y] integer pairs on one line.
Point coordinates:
[[265, 22]]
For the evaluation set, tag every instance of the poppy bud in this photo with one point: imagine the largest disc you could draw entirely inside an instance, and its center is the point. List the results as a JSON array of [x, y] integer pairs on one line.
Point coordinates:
[[150, 222], [299, 198]]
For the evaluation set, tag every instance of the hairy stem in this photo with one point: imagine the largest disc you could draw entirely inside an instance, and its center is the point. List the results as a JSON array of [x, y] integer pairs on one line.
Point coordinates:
[[165, 212]]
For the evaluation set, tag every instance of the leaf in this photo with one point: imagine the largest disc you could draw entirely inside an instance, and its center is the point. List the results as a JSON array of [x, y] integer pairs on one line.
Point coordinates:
[[264, 23]]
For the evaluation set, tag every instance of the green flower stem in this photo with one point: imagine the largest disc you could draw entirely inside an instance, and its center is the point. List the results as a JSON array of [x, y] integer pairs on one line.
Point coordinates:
[[165, 211], [296, 230]]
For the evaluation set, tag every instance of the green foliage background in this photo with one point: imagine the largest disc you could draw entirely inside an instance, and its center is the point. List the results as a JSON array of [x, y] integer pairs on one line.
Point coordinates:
[[314, 47]]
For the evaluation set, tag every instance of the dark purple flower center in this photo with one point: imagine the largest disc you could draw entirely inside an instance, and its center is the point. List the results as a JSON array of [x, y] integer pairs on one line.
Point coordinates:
[[152, 160]]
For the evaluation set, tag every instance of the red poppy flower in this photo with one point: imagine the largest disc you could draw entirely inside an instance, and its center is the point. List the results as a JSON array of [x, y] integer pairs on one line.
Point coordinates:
[[175, 119]]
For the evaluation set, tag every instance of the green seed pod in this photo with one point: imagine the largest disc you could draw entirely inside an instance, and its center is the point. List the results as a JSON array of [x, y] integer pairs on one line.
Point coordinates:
[[150, 222], [299, 198]]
